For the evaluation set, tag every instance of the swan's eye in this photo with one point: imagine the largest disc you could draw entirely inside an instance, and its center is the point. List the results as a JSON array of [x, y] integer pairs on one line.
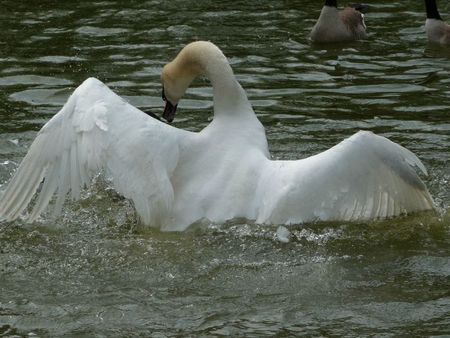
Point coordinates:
[[163, 95]]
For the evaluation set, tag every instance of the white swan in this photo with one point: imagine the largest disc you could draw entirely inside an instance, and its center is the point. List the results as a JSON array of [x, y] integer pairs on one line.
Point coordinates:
[[336, 25], [437, 30], [176, 177]]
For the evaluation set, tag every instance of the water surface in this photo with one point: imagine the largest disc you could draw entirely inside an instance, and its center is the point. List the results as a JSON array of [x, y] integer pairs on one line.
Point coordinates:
[[94, 272]]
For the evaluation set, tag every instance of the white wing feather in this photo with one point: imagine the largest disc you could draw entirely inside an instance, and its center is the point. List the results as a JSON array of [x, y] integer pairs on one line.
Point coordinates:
[[364, 177], [96, 130]]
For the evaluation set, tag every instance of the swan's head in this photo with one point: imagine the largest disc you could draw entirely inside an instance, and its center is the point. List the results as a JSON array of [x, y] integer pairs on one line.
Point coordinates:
[[177, 75]]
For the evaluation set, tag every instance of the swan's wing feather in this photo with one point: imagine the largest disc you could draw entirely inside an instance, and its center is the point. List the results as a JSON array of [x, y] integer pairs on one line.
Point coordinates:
[[96, 130], [368, 177], [364, 177]]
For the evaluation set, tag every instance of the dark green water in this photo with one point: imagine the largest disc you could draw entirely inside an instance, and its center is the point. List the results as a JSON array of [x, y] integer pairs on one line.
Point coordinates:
[[94, 273]]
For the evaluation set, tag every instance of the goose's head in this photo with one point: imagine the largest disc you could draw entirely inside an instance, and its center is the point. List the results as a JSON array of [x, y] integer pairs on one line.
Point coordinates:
[[178, 74]]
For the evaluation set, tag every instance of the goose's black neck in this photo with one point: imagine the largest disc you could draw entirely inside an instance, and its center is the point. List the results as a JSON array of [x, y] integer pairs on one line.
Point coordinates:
[[331, 3], [432, 11]]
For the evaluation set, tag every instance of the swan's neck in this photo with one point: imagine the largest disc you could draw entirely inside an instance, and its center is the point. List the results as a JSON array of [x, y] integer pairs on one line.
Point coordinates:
[[204, 58], [331, 3], [432, 10], [229, 97]]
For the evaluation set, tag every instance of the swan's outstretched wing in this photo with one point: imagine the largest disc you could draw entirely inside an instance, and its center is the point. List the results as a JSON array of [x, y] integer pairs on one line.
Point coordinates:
[[96, 130], [364, 177]]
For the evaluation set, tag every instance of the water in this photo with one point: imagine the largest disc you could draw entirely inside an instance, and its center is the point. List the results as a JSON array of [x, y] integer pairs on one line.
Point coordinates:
[[94, 272]]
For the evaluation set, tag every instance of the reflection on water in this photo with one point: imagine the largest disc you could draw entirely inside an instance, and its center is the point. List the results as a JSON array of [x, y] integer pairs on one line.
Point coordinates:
[[95, 272]]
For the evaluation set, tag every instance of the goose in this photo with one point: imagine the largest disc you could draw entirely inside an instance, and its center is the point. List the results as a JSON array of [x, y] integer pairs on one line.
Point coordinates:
[[336, 25], [437, 30], [176, 177]]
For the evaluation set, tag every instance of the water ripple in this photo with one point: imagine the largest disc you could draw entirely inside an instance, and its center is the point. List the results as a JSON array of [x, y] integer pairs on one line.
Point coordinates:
[[95, 272]]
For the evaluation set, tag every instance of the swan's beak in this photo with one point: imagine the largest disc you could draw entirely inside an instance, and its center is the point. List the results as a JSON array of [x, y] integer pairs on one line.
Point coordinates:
[[169, 111]]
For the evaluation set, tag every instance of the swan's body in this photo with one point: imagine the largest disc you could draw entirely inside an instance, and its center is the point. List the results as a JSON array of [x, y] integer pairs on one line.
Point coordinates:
[[437, 30], [336, 25], [176, 177]]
